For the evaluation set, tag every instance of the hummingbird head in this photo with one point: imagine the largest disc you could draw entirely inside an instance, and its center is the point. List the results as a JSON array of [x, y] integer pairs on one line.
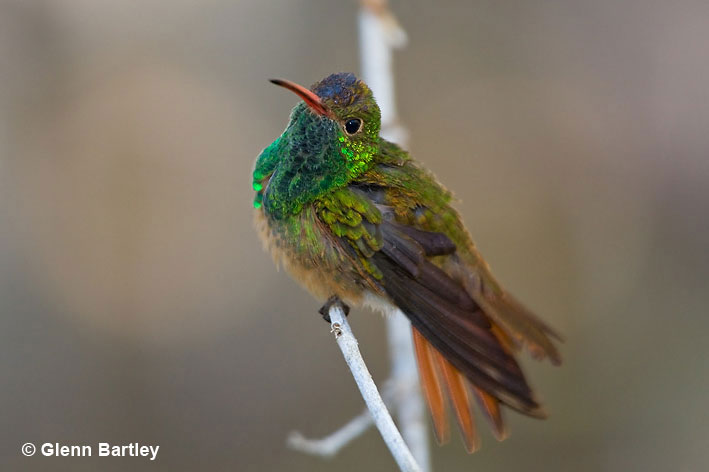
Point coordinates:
[[332, 138]]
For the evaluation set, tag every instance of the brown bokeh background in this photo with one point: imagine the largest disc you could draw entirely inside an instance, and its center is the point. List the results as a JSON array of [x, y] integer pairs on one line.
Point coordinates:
[[136, 304]]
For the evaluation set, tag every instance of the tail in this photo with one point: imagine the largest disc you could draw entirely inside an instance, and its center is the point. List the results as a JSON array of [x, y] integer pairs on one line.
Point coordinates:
[[513, 318], [440, 378], [435, 373], [465, 337]]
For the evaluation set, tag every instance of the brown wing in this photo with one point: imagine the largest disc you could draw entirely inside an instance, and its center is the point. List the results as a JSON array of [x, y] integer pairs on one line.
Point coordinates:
[[459, 350], [462, 350], [444, 313]]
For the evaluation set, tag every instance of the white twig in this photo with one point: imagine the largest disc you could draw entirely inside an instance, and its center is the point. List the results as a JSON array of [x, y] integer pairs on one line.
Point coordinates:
[[350, 350], [334, 442], [379, 34], [410, 409], [400, 390], [331, 444]]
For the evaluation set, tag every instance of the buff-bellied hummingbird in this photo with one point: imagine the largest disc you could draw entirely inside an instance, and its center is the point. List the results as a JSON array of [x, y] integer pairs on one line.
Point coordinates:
[[354, 218]]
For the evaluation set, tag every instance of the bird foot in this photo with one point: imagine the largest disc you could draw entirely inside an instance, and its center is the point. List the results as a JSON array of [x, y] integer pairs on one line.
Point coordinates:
[[332, 301]]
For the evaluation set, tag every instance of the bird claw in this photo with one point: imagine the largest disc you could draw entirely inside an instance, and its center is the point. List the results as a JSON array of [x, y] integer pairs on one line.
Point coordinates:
[[332, 301]]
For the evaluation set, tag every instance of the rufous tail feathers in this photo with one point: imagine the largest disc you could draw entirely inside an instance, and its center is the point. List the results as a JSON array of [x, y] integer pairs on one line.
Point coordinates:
[[439, 378]]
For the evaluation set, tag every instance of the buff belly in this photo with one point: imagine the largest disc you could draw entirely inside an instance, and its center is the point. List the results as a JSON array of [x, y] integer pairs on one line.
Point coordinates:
[[312, 256]]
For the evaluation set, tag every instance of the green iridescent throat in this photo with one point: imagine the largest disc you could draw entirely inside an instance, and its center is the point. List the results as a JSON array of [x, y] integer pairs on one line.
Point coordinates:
[[312, 157]]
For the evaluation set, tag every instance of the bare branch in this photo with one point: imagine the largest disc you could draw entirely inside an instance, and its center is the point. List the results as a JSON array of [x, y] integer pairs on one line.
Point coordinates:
[[380, 33], [410, 409], [350, 350], [331, 444]]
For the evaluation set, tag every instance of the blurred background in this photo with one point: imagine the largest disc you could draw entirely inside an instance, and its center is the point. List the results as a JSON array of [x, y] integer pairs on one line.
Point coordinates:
[[136, 304]]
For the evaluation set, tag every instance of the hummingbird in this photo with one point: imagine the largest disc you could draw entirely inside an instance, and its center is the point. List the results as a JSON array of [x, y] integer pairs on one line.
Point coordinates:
[[355, 220]]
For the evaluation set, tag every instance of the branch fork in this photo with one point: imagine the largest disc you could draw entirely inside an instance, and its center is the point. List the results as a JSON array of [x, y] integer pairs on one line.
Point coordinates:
[[379, 414]]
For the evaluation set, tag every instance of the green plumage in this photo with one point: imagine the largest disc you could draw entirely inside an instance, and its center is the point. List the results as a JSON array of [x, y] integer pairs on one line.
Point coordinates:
[[351, 214], [315, 162]]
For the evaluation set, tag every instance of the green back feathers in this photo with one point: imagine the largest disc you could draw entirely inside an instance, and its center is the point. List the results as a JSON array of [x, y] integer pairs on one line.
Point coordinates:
[[318, 156], [355, 219]]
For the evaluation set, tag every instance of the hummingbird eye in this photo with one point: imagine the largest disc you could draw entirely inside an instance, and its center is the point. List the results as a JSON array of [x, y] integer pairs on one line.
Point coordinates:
[[353, 125]]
